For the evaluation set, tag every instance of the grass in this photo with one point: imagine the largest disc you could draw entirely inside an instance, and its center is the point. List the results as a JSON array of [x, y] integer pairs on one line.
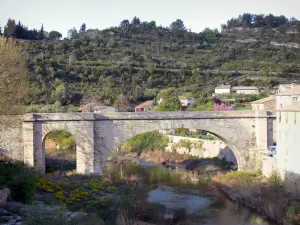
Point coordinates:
[[243, 108]]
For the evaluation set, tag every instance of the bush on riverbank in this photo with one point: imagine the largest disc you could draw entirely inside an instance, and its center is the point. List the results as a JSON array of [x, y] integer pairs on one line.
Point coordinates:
[[19, 179], [146, 141], [266, 195]]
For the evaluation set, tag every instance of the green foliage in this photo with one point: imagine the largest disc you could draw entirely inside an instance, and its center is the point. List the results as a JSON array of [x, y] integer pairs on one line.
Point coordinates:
[[63, 138], [199, 105], [187, 144], [19, 179], [275, 180], [126, 207], [293, 215], [138, 58], [171, 104], [146, 141], [183, 132]]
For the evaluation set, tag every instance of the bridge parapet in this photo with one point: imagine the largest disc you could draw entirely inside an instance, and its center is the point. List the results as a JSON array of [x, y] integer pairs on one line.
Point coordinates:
[[144, 116]]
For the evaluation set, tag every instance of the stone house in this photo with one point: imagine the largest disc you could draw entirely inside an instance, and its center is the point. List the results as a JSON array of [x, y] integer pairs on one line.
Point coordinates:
[[283, 88], [223, 89], [144, 107], [247, 90], [268, 103], [288, 97], [228, 89]]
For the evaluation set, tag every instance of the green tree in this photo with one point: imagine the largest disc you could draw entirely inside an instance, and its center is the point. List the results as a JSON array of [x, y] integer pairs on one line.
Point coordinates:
[[9, 28], [171, 104], [54, 35], [14, 77], [136, 21], [124, 24], [178, 25], [138, 93], [72, 32], [82, 29], [41, 35], [168, 93], [122, 102]]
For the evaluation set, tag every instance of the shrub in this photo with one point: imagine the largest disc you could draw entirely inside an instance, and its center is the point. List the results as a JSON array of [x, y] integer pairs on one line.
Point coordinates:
[[146, 141], [275, 180], [20, 179]]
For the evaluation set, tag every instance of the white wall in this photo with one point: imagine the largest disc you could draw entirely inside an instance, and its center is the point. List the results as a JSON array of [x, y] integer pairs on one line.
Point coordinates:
[[286, 100], [222, 91], [288, 142], [247, 92]]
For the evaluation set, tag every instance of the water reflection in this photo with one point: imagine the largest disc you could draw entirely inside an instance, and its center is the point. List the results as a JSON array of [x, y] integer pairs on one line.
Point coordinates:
[[174, 190]]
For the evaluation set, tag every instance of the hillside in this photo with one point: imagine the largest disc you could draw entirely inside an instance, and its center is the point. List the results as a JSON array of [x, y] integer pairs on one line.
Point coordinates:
[[139, 59]]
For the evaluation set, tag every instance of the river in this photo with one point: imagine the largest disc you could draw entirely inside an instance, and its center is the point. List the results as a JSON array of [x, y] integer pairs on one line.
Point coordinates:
[[167, 195]]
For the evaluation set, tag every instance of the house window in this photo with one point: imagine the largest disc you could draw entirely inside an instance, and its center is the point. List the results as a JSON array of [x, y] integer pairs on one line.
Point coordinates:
[[294, 101], [280, 117]]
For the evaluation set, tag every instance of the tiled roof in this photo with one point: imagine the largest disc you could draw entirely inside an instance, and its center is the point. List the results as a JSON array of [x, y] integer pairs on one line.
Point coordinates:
[[223, 87], [144, 104], [263, 100], [244, 88]]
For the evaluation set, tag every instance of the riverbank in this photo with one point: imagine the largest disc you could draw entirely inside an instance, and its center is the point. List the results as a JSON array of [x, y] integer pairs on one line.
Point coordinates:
[[64, 198], [169, 159], [267, 196]]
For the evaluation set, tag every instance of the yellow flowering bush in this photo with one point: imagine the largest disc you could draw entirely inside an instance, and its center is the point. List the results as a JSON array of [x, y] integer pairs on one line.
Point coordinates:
[[73, 192]]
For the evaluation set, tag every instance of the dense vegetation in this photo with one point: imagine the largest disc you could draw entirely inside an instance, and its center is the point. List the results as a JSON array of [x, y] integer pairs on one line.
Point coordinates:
[[147, 141], [137, 60], [14, 77], [20, 179]]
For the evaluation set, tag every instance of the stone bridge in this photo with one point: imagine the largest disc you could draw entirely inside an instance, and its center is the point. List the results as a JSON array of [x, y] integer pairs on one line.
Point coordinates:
[[97, 135]]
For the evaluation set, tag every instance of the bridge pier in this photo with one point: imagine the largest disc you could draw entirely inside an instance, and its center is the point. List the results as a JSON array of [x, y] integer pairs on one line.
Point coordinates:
[[35, 130]]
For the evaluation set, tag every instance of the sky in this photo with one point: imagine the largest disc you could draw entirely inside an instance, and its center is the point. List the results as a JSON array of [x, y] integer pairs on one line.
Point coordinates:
[[61, 15]]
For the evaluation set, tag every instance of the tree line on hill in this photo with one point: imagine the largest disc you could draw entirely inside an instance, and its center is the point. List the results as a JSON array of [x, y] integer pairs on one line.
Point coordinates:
[[248, 20], [138, 61], [20, 31]]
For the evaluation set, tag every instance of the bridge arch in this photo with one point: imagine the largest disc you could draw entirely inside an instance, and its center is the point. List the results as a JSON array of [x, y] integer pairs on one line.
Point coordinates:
[[53, 158], [34, 146], [232, 147], [232, 134]]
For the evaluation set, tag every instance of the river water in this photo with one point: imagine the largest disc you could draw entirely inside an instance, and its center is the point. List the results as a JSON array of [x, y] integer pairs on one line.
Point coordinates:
[[169, 195]]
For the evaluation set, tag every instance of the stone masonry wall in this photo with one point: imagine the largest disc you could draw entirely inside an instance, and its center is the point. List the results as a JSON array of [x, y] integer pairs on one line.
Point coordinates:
[[209, 149], [11, 145]]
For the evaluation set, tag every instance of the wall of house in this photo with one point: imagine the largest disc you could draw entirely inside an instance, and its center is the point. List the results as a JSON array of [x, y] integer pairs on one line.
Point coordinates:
[[222, 91], [286, 100], [247, 92], [288, 142], [270, 105]]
